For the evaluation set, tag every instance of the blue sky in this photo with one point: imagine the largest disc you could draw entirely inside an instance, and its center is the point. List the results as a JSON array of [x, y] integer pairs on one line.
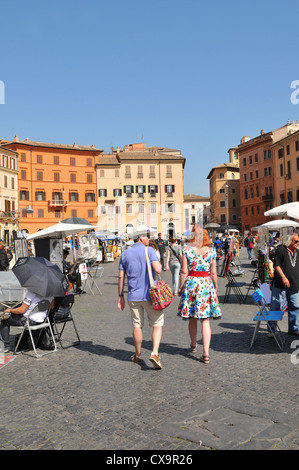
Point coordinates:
[[192, 75]]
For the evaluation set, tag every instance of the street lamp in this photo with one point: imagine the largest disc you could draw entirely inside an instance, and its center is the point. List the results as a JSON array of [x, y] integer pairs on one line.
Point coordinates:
[[29, 210], [226, 203]]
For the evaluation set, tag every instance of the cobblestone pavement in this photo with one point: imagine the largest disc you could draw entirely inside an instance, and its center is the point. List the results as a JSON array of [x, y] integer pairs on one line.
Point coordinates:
[[91, 397]]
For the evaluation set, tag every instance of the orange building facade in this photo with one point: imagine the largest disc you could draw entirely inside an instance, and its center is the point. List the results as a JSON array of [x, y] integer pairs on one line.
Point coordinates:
[[56, 182]]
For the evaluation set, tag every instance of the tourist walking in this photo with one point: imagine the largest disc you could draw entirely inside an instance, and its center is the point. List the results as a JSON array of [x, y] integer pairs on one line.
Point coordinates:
[[173, 262], [198, 288], [133, 264]]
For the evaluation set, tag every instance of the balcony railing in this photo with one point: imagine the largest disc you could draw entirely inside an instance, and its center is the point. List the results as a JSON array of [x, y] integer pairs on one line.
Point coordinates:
[[58, 202]]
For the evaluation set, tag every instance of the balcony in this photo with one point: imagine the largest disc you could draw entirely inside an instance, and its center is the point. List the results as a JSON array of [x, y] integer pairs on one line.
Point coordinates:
[[58, 202], [10, 215]]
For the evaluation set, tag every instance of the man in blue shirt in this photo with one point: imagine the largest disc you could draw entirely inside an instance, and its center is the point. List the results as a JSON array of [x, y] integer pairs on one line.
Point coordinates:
[[133, 264]]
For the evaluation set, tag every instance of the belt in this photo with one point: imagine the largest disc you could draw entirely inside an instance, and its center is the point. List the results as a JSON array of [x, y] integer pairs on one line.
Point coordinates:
[[198, 273]]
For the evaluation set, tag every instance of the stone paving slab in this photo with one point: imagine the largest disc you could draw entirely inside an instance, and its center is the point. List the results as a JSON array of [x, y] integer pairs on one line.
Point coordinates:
[[91, 397]]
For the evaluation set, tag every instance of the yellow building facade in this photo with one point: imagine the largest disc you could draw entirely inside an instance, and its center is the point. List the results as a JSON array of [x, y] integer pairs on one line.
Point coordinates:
[[9, 215], [141, 186]]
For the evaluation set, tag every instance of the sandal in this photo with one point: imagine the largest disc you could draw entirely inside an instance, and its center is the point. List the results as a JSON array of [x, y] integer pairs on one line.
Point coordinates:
[[193, 348], [135, 359], [205, 359]]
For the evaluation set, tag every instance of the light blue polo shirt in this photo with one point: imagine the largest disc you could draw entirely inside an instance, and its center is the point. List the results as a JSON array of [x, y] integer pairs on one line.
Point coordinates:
[[133, 262]]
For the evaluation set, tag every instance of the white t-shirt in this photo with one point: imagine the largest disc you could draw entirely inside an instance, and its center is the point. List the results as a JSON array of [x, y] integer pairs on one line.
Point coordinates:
[[32, 300]]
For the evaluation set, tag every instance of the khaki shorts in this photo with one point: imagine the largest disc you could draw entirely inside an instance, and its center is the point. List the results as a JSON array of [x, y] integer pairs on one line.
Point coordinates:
[[155, 317]]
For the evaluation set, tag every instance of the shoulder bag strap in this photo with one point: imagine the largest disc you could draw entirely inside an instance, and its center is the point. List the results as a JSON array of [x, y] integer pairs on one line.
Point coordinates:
[[177, 257], [149, 268]]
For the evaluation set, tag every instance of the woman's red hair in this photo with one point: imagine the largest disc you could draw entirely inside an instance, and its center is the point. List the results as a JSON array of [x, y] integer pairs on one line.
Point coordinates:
[[206, 241]]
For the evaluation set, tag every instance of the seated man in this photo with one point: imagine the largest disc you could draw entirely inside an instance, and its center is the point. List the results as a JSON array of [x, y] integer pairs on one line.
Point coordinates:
[[20, 314], [72, 273]]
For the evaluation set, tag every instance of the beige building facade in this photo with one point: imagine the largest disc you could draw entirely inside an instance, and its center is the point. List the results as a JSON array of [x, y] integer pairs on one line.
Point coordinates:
[[9, 214], [196, 210], [141, 186], [225, 191]]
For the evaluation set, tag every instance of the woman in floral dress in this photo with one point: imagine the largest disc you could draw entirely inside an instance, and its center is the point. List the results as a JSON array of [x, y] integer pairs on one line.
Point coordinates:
[[198, 288]]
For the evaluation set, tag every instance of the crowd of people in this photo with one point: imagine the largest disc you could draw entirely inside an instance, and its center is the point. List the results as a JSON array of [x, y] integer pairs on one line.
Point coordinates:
[[193, 279]]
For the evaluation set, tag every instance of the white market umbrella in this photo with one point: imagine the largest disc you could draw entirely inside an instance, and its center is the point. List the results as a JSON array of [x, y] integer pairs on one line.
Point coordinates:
[[60, 230], [290, 209], [277, 224]]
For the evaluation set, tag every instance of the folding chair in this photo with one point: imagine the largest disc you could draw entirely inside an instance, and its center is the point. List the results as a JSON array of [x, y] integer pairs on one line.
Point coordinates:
[[233, 285], [67, 301], [40, 307], [265, 314]]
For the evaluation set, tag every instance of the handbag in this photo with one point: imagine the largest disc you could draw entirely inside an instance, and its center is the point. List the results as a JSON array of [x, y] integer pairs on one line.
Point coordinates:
[[161, 294]]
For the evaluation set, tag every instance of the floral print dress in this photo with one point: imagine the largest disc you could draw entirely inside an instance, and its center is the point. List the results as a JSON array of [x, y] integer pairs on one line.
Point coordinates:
[[199, 298]]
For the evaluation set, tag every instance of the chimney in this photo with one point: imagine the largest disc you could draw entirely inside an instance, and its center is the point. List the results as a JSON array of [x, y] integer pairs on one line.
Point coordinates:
[[262, 132], [16, 138]]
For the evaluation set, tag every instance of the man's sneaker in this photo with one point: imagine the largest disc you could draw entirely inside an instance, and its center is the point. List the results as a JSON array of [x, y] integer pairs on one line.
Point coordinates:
[[4, 315], [156, 361]]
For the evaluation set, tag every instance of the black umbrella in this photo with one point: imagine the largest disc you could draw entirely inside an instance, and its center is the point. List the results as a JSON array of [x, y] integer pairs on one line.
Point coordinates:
[[76, 220], [41, 277]]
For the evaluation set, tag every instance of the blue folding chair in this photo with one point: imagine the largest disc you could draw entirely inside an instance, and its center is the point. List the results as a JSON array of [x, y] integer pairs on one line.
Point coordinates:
[[267, 315]]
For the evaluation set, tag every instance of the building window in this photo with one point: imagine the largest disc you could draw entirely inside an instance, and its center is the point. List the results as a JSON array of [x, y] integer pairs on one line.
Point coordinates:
[[169, 189], [39, 159], [23, 157], [24, 195], [116, 192], [88, 161], [153, 189], [140, 189], [221, 176], [89, 197], [72, 161], [40, 196], [127, 172], [222, 203], [102, 173], [73, 177], [116, 173], [102, 192], [154, 208], [89, 178], [168, 171], [56, 160], [297, 145], [129, 208], [152, 173], [39, 176], [40, 213], [57, 214], [281, 169], [23, 174], [128, 189], [56, 177], [90, 213], [73, 197], [74, 212], [280, 153], [139, 171], [170, 207]]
